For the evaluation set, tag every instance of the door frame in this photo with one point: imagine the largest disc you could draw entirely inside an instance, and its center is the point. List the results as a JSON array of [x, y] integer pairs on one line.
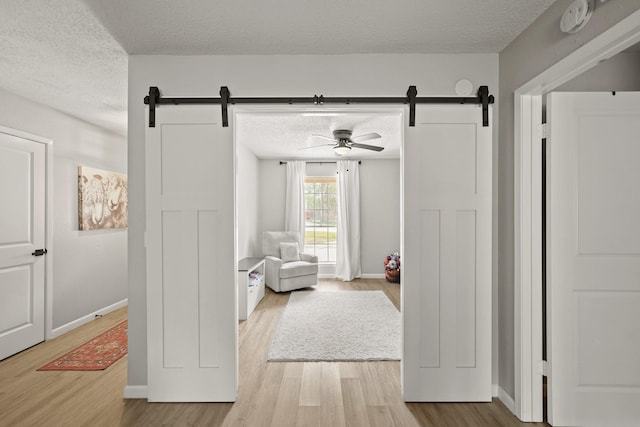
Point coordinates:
[[48, 225], [528, 367], [269, 109]]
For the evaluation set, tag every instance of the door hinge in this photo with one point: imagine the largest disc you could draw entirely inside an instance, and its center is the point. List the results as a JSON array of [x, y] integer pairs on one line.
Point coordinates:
[[39, 252], [543, 367], [543, 130]]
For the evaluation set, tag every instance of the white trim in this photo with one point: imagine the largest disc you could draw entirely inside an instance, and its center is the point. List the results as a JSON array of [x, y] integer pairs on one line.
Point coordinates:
[[327, 270], [362, 276], [50, 257], [88, 318], [48, 213], [494, 390], [528, 204], [135, 392], [506, 399], [372, 276], [24, 135], [528, 257], [535, 292]]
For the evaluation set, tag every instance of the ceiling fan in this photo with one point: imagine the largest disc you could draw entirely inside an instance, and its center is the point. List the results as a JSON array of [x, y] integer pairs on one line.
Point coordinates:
[[342, 142]]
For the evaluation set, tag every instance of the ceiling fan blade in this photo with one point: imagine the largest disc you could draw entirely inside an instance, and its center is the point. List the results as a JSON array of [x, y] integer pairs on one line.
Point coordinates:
[[312, 137], [367, 147], [366, 137], [316, 146]]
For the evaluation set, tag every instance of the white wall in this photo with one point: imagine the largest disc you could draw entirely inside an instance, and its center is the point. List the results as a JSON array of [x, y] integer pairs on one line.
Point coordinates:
[[540, 46], [273, 182], [379, 213], [268, 75], [248, 206], [89, 267]]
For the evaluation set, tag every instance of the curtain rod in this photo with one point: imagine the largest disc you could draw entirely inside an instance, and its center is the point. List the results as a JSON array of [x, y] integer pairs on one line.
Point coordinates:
[[359, 162]]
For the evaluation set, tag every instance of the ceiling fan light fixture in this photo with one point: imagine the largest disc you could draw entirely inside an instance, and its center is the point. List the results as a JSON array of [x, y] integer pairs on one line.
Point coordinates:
[[341, 150]]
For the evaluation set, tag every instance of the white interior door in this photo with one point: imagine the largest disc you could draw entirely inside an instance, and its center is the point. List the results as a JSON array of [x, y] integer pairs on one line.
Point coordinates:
[[593, 258], [191, 293], [22, 226], [446, 280]]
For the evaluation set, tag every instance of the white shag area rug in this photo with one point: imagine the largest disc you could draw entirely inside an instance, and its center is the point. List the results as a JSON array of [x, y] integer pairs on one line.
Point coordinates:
[[337, 326]]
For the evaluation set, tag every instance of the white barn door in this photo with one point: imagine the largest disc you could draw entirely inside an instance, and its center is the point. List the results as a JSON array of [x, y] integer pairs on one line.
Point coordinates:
[[593, 258], [191, 294], [446, 279], [22, 232]]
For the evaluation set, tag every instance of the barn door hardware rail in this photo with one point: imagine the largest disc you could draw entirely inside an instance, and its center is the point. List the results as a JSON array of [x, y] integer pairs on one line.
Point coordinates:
[[482, 98]]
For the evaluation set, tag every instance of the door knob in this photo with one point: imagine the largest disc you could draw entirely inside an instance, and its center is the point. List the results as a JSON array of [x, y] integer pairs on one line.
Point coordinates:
[[39, 252]]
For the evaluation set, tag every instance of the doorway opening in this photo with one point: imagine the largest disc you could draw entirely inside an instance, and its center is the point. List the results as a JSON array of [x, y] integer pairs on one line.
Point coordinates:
[[264, 139], [528, 210]]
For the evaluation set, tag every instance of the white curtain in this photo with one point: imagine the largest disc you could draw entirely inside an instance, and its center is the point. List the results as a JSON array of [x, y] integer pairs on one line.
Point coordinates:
[[348, 239], [294, 211]]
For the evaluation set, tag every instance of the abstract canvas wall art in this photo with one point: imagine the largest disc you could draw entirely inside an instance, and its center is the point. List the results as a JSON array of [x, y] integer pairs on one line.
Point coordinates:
[[102, 199]]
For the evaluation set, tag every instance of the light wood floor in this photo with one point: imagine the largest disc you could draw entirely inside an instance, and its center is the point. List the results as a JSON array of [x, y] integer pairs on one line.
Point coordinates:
[[270, 394]]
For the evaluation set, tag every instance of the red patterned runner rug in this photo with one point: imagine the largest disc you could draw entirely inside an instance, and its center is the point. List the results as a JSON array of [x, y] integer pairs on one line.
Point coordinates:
[[95, 355]]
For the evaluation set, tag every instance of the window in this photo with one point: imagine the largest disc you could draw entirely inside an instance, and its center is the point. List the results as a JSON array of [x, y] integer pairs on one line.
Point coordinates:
[[321, 213]]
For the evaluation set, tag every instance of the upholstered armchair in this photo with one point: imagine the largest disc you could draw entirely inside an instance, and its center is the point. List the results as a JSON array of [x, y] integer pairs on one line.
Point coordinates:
[[286, 268]]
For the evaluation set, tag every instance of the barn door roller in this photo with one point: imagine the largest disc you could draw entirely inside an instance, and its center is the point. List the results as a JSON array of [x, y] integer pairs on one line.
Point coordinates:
[[483, 99]]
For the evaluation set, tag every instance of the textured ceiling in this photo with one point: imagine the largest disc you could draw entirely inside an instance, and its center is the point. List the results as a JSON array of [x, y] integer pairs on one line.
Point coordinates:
[[190, 27], [58, 54], [72, 54]]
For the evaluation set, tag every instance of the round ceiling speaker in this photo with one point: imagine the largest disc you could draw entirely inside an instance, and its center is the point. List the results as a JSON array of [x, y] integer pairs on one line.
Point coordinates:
[[464, 87], [576, 16]]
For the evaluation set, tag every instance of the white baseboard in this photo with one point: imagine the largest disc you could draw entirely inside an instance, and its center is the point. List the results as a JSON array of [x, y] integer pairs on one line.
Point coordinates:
[[372, 276], [494, 390], [507, 400], [135, 392], [86, 319], [362, 276]]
